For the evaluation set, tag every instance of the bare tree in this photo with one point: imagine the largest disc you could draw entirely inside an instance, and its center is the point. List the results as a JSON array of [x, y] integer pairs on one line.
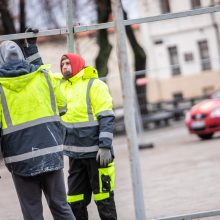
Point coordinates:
[[104, 9], [7, 20], [51, 18], [22, 16]]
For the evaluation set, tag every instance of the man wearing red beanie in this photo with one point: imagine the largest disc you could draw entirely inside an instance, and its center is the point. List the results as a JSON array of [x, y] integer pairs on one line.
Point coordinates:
[[89, 124]]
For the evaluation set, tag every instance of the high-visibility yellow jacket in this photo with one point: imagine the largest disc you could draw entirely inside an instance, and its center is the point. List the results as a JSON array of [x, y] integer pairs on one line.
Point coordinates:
[[89, 118], [31, 134]]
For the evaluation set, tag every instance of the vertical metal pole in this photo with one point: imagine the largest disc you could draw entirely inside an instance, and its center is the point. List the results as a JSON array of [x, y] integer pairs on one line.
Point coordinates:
[[128, 94], [216, 29], [69, 24]]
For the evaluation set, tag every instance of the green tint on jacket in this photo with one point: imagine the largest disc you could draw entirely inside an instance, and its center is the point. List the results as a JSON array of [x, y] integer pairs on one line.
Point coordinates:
[[28, 87], [31, 137], [88, 103]]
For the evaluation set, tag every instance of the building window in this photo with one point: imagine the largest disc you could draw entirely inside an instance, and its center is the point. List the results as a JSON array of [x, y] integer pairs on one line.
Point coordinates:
[[204, 55], [177, 96], [165, 6], [188, 57], [174, 60], [195, 4]]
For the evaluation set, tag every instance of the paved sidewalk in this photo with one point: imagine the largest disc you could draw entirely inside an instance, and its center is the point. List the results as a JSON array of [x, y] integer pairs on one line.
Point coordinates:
[[180, 175]]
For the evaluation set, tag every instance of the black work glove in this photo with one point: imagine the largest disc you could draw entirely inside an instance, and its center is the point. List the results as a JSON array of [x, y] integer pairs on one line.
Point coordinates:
[[32, 40], [25, 42], [30, 49]]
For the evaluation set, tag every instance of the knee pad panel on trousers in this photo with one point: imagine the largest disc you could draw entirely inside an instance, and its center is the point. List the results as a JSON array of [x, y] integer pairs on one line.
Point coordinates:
[[81, 198]]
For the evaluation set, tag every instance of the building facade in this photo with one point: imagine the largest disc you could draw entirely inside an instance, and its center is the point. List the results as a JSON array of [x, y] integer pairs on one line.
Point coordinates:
[[183, 53]]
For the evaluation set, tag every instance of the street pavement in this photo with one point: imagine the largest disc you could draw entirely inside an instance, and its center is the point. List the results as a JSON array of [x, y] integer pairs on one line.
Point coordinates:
[[180, 175]]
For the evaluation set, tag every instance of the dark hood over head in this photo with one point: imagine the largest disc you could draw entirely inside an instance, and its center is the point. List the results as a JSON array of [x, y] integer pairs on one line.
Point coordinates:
[[10, 52]]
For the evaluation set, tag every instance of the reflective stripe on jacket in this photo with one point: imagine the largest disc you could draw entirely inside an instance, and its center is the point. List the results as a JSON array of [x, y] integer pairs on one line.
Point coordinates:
[[89, 118], [31, 139]]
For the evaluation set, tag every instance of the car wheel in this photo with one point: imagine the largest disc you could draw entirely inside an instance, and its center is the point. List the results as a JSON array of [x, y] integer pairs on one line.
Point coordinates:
[[206, 136]]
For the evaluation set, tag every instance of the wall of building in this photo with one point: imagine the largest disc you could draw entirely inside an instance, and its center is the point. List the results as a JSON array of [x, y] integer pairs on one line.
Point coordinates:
[[184, 33], [190, 86]]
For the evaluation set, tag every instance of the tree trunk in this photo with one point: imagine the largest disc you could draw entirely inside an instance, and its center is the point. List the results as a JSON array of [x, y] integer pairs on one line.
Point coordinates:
[[7, 20], [104, 9], [140, 64], [22, 16]]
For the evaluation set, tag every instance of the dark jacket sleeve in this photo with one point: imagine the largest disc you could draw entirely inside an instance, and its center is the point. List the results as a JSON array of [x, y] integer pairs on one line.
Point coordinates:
[[106, 125], [101, 102]]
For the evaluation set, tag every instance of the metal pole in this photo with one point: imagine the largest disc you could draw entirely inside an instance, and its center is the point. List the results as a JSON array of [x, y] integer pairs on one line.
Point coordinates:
[[128, 94], [69, 24], [216, 29], [197, 215]]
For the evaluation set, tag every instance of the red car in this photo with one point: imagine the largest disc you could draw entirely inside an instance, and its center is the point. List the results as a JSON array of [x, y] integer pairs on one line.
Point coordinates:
[[204, 118]]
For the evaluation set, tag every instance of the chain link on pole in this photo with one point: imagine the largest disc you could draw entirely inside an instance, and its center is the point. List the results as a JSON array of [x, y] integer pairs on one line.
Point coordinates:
[[129, 112]]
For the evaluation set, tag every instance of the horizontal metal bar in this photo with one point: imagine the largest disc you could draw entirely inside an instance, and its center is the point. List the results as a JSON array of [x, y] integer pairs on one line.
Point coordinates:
[[168, 16], [85, 28], [93, 27], [192, 215], [31, 34], [150, 19]]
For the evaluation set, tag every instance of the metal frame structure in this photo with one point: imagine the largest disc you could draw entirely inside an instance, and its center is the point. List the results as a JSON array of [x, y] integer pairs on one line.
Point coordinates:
[[129, 109], [84, 28], [119, 24], [197, 215]]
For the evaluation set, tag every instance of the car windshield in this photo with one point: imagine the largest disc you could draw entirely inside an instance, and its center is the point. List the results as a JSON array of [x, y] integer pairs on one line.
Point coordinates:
[[215, 95]]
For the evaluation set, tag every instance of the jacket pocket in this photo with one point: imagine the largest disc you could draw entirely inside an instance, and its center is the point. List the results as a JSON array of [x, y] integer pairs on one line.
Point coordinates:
[[107, 178]]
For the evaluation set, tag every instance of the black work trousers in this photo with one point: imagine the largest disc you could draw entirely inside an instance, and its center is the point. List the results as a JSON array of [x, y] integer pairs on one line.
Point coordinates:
[[29, 191], [83, 180]]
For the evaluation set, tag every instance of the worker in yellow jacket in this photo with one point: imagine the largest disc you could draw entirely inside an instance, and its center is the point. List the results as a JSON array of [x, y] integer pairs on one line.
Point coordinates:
[[89, 124], [31, 133]]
